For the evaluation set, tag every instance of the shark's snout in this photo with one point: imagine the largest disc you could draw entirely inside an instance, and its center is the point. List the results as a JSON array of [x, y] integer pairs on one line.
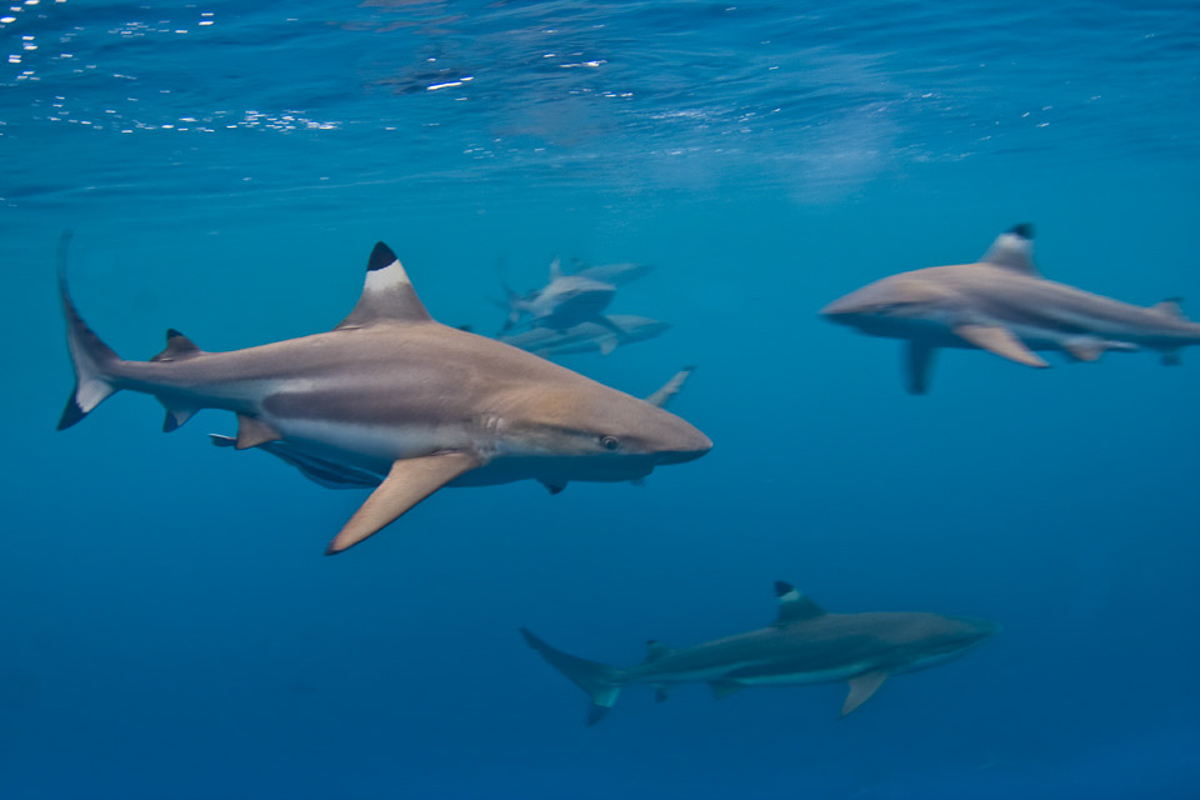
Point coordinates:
[[841, 310], [685, 444]]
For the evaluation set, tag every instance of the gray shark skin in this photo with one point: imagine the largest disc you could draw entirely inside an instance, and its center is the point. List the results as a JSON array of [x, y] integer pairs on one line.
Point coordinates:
[[617, 274], [805, 645], [589, 337], [564, 302], [1003, 305], [390, 392]]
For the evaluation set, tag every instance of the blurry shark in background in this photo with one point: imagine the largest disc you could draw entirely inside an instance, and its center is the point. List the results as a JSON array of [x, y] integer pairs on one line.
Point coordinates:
[[588, 337], [805, 645], [616, 274], [390, 392], [1003, 305], [564, 302]]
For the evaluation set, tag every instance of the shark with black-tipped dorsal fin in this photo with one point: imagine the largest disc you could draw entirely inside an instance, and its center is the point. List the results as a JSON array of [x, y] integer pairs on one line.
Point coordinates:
[[393, 397], [805, 645], [1003, 305]]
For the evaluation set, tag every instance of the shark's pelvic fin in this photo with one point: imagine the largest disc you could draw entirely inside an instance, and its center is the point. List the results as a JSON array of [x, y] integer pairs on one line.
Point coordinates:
[[662, 693], [918, 365], [861, 689], [598, 680], [722, 689], [608, 344], [409, 482], [90, 356], [178, 347], [387, 295], [1000, 341], [1013, 250], [671, 388], [554, 487], [1172, 358], [253, 432], [793, 606]]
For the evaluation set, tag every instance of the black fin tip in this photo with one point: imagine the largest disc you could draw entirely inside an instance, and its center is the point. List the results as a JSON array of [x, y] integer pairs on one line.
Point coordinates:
[[381, 257]]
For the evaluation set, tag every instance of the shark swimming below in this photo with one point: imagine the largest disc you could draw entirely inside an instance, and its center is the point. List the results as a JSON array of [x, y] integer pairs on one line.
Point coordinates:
[[564, 302], [587, 337], [1003, 305], [391, 393], [805, 645]]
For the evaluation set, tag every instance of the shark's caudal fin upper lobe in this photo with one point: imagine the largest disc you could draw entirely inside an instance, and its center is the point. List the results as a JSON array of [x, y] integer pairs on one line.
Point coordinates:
[[598, 680], [91, 357]]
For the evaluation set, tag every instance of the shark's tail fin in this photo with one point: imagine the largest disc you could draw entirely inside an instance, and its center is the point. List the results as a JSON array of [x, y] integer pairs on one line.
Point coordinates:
[[598, 680], [91, 357]]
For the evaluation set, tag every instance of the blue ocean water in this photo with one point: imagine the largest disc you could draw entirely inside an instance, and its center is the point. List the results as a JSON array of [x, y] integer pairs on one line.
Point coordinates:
[[172, 629]]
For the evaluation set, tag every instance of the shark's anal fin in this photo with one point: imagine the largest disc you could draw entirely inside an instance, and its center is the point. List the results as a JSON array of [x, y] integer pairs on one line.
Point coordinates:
[[176, 415], [861, 689], [918, 362], [409, 482], [998, 340], [387, 295], [253, 432]]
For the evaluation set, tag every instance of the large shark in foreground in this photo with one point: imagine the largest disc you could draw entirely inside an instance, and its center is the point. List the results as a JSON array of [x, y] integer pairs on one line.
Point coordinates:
[[390, 392], [805, 645], [1003, 305]]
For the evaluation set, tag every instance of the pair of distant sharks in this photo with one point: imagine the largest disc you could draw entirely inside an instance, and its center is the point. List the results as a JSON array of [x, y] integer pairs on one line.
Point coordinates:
[[394, 401]]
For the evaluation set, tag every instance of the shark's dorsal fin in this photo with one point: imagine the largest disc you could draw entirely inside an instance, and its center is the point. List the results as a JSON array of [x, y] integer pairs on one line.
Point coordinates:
[[1002, 342], [793, 606], [1171, 307], [861, 689], [387, 295], [1013, 250], [409, 482], [178, 347], [656, 650]]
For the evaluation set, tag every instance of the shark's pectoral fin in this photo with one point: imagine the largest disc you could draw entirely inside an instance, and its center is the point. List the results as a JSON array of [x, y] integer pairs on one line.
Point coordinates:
[[918, 364], [253, 432], [671, 388], [1002, 342], [722, 689], [861, 689], [409, 482]]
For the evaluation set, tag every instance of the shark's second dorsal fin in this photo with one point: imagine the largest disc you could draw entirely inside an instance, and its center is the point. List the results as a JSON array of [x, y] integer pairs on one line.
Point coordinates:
[[387, 295], [1013, 250], [178, 347], [1171, 307], [656, 650], [793, 606]]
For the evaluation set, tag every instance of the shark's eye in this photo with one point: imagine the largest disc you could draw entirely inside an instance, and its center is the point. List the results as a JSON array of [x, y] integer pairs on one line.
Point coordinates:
[[610, 442]]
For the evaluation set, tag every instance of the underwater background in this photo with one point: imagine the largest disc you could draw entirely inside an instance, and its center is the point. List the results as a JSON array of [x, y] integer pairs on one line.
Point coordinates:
[[171, 629]]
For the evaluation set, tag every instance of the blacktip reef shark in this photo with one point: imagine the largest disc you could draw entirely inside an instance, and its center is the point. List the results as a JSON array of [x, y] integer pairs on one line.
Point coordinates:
[[587, 337], [1003, 305], [566, 301], [805, 645], [391, 392]]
